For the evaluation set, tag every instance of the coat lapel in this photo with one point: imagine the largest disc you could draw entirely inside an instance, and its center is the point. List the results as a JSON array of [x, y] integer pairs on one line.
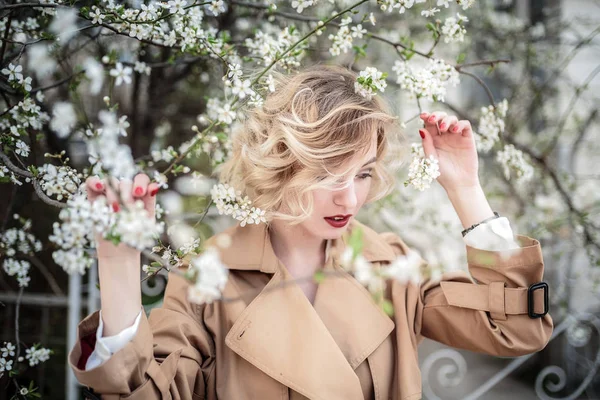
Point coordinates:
[[311, 349]]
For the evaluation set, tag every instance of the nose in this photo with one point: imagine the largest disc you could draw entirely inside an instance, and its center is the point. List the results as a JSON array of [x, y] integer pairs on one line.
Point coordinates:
[[346, 197]]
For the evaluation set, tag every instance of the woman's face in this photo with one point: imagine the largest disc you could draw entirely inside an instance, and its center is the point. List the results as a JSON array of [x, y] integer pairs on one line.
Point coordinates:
[[345, 201]]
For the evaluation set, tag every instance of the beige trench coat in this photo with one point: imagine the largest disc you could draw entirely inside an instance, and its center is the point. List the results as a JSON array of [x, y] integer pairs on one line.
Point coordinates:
[[274, 344]]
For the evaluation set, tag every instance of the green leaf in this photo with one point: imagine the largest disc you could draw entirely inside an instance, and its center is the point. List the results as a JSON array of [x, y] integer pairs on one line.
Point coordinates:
[[355, 241], [388, 307], [319, 276], [155, 264], [461, 58]]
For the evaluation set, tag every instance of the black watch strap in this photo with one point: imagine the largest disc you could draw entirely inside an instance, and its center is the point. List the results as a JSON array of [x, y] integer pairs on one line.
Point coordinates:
[[469, 229]]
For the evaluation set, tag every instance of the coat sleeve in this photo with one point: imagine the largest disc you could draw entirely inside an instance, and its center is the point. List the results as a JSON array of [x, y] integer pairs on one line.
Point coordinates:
[[171, 356], [486, 309]]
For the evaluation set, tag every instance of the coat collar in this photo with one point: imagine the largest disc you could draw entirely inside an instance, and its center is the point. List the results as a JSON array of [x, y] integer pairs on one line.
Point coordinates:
[[253, 249], [298, 343]]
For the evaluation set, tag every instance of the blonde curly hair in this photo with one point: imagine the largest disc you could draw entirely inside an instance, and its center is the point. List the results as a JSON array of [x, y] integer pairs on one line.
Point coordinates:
[[313, 123]]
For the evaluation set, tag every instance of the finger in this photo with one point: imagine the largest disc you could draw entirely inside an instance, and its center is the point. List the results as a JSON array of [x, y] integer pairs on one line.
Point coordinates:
[[150, 198], [94, 188], [427, 141], [461, 126], [467, 129], [140, 184], [125, 193], [112, 198], [447, 122], [424, 116], [436, 116]]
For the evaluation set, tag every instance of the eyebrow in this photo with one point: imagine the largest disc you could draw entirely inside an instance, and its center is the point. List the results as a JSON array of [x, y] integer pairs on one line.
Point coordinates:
[[370, 161]]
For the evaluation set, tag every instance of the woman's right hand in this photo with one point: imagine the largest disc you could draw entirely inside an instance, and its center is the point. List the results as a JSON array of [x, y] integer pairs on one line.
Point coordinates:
[[139, 189]]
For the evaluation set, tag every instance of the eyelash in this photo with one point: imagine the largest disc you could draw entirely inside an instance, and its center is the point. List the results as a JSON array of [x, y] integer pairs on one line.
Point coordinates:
[[361, 176]]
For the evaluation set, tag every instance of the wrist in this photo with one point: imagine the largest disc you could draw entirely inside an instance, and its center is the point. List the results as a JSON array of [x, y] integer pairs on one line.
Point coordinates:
[[471, 205], [464, 192]]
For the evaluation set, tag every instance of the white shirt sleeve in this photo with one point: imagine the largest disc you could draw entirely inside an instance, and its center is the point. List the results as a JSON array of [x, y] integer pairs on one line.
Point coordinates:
[[108, 345], [493, 235]]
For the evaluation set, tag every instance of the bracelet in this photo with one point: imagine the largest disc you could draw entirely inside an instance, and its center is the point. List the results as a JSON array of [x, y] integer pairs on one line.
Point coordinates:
[[469, 229]]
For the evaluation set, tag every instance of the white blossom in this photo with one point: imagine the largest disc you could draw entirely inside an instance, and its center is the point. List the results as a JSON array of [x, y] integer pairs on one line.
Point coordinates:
[[429, 82], [8, 350], [217, 7], [64, 24], [226, 114], [142, 68], [123, 74], [62, 181], [5, 365], [19, 269], [342, 40], [268, 47], [82, 219], [242, 88], [430, 12], [230, 202], [36, 356], [13, 72], [39, 60], [95, 73], [63, 118], [22, 148], [491, 125], [453, 29], [369, 82], [96, 15], [405, 268], [105, 150], [210, 277], [514, 160], [300, 5], [176, 6], [422, 171]]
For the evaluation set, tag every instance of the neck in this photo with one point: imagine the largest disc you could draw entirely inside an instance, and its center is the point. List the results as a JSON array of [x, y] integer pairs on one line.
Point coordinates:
[[297, 249]]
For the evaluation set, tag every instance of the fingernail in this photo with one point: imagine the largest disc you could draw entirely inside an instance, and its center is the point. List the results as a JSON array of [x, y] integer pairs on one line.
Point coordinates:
[[424, 114], [115, 206], [138, 191], [431, 119], [99, 186], [455, 129], [422, 133], [153, 192], [442, 126]]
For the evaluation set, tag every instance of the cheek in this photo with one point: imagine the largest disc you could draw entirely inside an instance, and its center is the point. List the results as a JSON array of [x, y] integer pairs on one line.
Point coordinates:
[[362, 191]]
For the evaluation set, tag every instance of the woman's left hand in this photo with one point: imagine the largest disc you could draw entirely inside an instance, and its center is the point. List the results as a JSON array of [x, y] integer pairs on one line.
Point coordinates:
[[454, 147]]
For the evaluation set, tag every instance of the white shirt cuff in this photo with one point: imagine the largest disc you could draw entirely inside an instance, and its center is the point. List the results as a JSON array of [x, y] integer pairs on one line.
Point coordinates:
[[108, 345], [494, 235]]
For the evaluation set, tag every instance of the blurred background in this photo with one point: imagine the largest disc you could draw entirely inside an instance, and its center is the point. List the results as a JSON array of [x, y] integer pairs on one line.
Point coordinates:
[[542, 56]]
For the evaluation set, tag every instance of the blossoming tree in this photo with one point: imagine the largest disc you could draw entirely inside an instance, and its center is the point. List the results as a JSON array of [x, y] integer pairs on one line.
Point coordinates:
[[93, 90]]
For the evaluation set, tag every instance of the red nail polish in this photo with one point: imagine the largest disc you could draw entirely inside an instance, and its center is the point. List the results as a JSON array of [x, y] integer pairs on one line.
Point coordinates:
[[115, 206], [431, 119], [138, 191], [99, 186], [422, 133], [442, 126], [455, 129], [153, 192]]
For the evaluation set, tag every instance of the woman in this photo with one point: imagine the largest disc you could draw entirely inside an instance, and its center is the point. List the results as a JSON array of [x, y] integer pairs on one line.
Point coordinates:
[[313, 152]]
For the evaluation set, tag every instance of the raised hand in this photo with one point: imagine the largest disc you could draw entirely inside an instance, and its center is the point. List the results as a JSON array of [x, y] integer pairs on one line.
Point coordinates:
[[452, 142], [127, 192]]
